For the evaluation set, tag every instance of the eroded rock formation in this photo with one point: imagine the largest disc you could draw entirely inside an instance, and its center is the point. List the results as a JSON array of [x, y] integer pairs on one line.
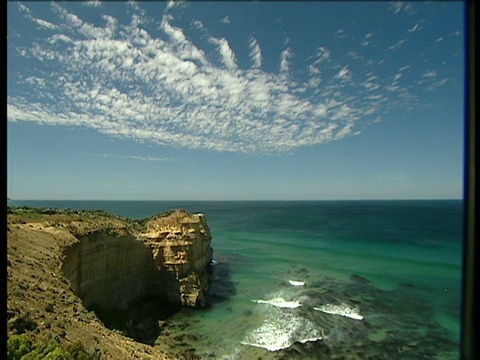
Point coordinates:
[[114, 263], [182, 253]]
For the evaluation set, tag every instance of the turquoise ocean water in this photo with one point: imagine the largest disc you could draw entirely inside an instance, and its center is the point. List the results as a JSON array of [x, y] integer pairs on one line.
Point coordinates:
[[321, 279]]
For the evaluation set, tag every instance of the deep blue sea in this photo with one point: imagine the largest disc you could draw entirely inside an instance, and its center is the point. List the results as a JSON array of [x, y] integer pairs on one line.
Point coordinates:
[[322, 279]]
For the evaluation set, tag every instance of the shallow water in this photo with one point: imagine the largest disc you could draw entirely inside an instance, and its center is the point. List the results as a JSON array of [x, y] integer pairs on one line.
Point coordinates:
[[397, 264]]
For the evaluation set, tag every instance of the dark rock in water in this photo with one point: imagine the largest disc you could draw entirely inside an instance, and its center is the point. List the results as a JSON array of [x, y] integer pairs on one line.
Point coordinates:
[[226, 259], [406, 285], [183, 326], [192, 337], [179, 337], [247, 313], [354, 301], [221, 287], [190, 355], [359, 279]]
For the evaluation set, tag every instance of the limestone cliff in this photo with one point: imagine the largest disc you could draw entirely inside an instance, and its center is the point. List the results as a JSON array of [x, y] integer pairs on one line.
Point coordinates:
[[63, 263], [113, 264], [182, 252]]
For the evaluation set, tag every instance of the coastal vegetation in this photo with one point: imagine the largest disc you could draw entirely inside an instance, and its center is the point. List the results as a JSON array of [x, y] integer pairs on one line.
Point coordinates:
[[20, 347]]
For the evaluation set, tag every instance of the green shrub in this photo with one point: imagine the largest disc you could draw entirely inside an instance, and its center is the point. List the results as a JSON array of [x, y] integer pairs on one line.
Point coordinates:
[[77, 351], [50, 350], [17, 346], [55, 354]]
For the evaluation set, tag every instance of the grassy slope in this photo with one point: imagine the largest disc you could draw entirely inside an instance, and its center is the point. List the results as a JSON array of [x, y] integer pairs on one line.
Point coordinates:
[[40, 301]]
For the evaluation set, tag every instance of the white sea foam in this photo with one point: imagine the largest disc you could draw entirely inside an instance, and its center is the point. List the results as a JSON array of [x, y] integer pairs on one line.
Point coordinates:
[[280, 330], [280, 302], [342, 309], [296, 283]]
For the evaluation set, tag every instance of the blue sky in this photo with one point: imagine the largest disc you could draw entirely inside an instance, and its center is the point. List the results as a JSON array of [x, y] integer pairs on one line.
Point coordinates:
[[235, 100]]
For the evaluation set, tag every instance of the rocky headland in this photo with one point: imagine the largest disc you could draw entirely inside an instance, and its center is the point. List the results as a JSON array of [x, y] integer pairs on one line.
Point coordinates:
[[102, 283]]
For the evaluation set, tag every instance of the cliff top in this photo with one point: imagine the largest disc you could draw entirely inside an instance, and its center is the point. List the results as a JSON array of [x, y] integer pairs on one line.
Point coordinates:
[[82, 222]]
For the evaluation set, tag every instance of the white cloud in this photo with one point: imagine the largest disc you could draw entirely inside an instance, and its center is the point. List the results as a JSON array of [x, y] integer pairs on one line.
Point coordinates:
[[44, 24], [371, 86], [323, 55], [430, 74], [343, 73], [132, 4], [442, 82], [342, 111], [396, 77], [153, 84], [314, 70], [23, 7], [435, 85], [22, 52], [36, 81], [416, 27], [339, 34], [53, 39], [136, 157], [396, 6], [284, 60], [128, 62], [367, 40], [347, 129], [92, 3], [225, 20], [198, 24], [392, 88], [402, 6], [175, 3], [228, 57], [176, 34], [255, 53], [397, 45], [355, 56]]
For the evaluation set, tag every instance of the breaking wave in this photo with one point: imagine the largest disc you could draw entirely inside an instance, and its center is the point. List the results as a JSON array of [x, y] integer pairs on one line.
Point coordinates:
[[281, 329], [296, 283], [280, 303], [342, 309]]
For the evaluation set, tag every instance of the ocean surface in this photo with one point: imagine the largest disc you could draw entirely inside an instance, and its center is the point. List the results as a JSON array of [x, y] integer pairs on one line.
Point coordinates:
[[320, 279]]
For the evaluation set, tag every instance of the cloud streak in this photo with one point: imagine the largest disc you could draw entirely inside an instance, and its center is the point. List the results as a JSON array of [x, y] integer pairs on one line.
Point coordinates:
[[255, 53], [225, 20], [227, 55], [157, 85], [137, 157], [284, 60]]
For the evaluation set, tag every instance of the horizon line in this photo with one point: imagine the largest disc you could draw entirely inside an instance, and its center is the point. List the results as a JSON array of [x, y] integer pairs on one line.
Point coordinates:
[[244, 200]]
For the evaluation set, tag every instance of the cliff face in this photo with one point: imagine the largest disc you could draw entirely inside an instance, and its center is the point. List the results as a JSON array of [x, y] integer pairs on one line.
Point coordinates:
[[182, 253], [115, 263], [108, 271]]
